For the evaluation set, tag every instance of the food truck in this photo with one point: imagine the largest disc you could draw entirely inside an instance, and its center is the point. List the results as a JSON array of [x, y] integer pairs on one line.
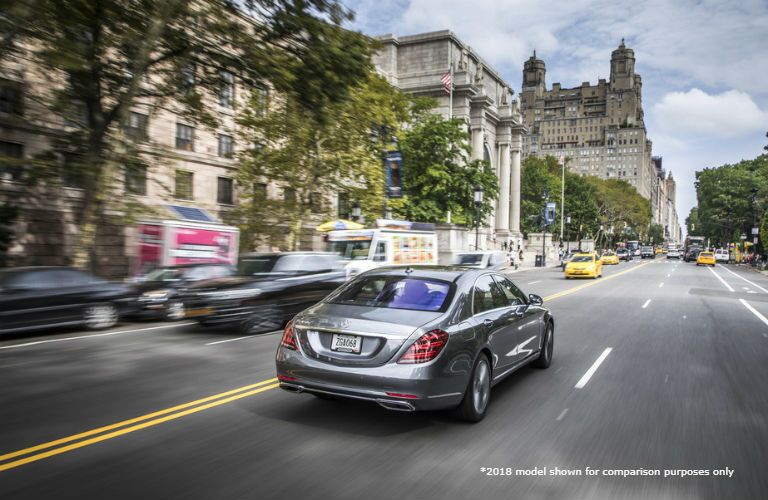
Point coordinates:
[[391, 242], [193, 236]]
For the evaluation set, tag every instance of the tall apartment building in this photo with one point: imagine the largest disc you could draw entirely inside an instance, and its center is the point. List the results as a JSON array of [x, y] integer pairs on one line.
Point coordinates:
[[598, 129]]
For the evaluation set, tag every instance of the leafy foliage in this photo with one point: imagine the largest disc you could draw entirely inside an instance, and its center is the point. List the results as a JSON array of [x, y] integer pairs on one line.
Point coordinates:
[[439, 176]]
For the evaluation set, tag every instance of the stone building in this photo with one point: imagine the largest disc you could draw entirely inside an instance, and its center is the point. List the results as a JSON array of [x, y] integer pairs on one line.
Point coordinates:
[[663, 202], [416, 64], [598, 129]]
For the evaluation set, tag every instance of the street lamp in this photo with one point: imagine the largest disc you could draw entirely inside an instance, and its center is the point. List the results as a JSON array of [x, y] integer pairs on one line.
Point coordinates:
[[355, 211], [545, 196], [478, 199], [568, 221]]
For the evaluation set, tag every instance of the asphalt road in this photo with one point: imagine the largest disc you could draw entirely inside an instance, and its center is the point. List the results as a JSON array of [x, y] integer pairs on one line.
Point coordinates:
[[658, 365]]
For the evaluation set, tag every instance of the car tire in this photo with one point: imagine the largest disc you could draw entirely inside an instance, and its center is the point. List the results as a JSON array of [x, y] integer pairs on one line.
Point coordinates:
[[547, 346], [262, 320], [477, 396], [100, 316], [174, 311]]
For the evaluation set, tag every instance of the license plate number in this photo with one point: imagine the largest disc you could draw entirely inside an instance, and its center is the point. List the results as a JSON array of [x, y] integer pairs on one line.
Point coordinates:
[[199, 312], [346, 343]]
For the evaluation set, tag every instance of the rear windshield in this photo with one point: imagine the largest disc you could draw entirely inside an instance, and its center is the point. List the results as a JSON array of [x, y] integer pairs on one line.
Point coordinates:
[[470, 259], [395, 292], [582, 258], [706, 254]]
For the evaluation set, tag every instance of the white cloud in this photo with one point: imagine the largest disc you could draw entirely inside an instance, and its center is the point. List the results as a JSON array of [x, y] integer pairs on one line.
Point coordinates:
[[730, 114]]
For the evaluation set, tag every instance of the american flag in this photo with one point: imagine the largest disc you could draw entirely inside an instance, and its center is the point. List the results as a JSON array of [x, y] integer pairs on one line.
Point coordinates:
[[446, 79]]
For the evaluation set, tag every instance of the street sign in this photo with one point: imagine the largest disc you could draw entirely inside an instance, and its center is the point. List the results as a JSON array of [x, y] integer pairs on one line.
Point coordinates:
[[755, 240], [393, 165], [743, 236], [755, 230]]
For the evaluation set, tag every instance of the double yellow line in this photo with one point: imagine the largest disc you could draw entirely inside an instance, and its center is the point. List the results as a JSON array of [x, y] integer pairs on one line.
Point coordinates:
[[127, 426], [69, 443]]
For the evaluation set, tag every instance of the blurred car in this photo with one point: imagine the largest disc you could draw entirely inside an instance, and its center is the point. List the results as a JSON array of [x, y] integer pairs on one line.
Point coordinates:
[[705, 259], [609, 258], [659, 251], [33, 298], [673, 254], [566, 259], [721, 255], [267, 291], [420, 338], [691, 254], [158, 292], [584, 265], [482, 259], [647, 252], [624, 254]]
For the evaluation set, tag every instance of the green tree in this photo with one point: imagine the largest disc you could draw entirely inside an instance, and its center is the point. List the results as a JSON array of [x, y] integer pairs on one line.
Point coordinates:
[[104, 56], [692, 221], [656, 234], [439, 175], [313, 158]]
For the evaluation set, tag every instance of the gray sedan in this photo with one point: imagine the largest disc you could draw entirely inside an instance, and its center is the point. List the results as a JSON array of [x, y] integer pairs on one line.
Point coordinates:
[[416, 338]]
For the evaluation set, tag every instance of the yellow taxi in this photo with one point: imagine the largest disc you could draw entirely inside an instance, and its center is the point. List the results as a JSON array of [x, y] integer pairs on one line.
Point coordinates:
[[609, 258], [659, 250], [705, 259], [584, 265]]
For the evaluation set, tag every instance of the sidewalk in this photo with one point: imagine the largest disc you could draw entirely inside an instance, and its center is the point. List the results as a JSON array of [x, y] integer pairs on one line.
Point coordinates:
[[529, 265]]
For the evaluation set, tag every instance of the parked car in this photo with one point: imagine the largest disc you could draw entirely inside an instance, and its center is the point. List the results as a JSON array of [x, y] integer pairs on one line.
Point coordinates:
[[268, 290], [490, 259], [33, 298], [624, 254], [647, 252], [721, 255], [159, 292], [421, 338]]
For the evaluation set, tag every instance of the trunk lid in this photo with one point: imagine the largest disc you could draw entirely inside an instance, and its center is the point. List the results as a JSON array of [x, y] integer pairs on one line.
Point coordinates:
[[377, 332]]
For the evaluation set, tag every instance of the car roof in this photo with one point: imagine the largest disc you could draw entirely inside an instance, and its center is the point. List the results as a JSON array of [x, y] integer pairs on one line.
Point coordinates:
[[279, 254], [446, 273]]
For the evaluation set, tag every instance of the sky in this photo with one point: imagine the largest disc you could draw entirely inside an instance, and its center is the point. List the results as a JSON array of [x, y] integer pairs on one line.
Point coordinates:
[[704, 63]]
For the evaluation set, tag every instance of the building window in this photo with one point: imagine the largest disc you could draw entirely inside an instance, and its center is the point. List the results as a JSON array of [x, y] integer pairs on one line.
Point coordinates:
[[185, 137], [136, 126], [136, 180], [289, 196], [259, 191], [11, 97], [227, 89], [184, 182], [225, 146], [343, 204], [224, 191], [10, 165], [261, 97], [187, 78]]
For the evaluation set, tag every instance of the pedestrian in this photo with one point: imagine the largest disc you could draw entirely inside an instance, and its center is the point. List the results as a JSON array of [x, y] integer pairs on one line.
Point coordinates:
[[521, 256]]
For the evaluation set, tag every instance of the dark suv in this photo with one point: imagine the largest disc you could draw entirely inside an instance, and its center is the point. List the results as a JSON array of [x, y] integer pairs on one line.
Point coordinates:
[[268, 290]]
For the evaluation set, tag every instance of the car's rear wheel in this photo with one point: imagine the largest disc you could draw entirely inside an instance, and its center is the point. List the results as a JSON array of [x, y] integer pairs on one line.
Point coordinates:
[[547, 348], [478, 394], [100, 316]]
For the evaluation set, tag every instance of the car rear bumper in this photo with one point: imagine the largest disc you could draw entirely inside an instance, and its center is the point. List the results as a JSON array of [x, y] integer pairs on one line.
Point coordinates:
[[396, 387]]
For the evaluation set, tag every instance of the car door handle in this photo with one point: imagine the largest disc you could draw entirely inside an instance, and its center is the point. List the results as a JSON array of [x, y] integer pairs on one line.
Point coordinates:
[[488, 323]]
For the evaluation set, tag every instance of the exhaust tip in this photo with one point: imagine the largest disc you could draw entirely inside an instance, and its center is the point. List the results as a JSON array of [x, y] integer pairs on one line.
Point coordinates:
[[292, 388], [395, 405]]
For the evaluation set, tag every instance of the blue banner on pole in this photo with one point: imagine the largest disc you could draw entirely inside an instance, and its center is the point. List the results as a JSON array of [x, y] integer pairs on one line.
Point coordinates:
[[550, 214], [393, 164]]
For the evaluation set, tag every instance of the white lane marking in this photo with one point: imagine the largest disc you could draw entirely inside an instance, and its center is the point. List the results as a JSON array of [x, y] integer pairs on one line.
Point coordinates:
[[751, 291], [38, 342], [666, 379], [646, 303], [721, 279], [755, 312], [685, 317], [562, 414], [668, 275], [243, 338], [558, 369], [592, 369], [534, 282], [661, 284], [745, 279]]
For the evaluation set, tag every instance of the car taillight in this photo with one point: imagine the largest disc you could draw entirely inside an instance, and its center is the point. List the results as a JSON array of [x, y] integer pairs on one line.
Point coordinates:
[[426, 348], [289, 340]]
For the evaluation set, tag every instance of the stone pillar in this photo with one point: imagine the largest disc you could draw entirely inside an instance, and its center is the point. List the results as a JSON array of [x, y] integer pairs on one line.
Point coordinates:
[[477, 143], [514, 199], [502, 210]]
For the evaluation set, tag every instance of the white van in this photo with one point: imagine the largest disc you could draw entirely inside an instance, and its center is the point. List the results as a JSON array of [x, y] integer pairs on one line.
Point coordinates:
[[391, 243], [721, 255]]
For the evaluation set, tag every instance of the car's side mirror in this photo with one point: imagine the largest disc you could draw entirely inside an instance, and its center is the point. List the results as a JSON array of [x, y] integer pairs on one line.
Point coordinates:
[[536, 300]]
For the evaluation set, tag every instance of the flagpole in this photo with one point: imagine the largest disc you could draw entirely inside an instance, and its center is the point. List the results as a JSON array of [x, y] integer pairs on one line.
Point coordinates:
[[450, 70]]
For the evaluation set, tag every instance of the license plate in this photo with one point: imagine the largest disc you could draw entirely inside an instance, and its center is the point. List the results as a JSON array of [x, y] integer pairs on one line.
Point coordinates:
[[199, 312], [346, 343]]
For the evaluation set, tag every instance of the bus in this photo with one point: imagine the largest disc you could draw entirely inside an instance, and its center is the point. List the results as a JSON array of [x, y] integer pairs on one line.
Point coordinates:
[[634, 248]]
